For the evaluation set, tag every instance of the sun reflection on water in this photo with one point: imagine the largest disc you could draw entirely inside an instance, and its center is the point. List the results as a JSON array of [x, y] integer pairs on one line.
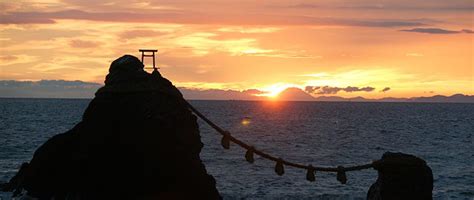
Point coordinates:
[[245, 121]]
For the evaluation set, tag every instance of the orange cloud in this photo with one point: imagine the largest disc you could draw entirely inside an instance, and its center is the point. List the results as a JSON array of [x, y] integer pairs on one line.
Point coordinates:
[[83, 44]]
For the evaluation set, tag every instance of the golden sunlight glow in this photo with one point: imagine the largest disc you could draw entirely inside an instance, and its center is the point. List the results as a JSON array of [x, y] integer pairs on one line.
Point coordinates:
[[274, 90], [245, 121]]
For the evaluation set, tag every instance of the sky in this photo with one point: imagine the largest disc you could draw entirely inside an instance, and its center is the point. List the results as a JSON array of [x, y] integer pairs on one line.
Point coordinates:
[[369, 48]]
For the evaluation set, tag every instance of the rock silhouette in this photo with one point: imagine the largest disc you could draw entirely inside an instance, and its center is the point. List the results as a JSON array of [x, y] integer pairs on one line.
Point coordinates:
[[137, 140], [401, 176]]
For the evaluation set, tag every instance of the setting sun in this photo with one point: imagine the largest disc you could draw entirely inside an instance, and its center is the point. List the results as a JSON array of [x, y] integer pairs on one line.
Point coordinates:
[[274, 90]]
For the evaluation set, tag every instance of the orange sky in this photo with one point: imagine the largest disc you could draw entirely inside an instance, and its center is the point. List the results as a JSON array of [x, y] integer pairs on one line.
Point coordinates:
[[415, 48]]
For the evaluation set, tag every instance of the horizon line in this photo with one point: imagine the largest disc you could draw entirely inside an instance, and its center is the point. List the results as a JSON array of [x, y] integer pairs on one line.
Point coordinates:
[[347, 100]]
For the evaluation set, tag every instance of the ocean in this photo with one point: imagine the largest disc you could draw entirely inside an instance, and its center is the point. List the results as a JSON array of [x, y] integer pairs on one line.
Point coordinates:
[[317, 133]]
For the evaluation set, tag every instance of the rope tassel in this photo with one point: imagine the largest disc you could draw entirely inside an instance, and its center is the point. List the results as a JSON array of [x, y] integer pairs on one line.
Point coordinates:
[[341, 175], [279, 169], [225, 142], [249, 155], [310, 174]]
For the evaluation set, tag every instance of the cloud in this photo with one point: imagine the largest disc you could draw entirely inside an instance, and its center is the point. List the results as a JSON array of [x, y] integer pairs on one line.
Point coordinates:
[[21, 18], [356, 89], [328, 90], [467, 31], [16, 59], [83, 44], [239, 29], [335, 90], [48, 89], [437, 31], [204, 43], [396, 6], [386, 89], [311, 89], [8, 58], [139, 33], [200, 18]]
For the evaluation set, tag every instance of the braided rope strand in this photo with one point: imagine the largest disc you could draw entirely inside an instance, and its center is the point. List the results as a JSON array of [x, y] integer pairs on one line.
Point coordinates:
[[340, 170]]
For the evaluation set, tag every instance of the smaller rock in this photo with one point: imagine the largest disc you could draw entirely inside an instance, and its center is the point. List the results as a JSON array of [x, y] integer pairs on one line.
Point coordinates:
[[401, 176]]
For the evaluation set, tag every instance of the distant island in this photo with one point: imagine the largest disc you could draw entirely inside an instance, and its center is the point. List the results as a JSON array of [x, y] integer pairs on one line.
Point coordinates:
[[296, 94], [86, 90]]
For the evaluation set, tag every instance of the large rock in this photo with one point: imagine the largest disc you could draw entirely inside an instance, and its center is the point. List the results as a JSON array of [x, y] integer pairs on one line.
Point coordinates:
[[401, 176], [137, 140]]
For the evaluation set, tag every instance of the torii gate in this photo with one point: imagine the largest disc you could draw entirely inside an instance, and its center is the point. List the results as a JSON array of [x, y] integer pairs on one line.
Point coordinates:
[[144, 51]]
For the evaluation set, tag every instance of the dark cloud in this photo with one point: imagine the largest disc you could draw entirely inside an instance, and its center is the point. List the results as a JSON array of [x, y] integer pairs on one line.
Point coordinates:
[[311, 89], [200, 18], [436, 31], [386, 89], [356, 89], [467, 31], [335, 90], [48, 89], [328, 90]]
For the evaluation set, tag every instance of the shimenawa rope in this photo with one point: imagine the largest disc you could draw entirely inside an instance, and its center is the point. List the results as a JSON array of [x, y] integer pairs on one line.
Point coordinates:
[[279, 166]]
